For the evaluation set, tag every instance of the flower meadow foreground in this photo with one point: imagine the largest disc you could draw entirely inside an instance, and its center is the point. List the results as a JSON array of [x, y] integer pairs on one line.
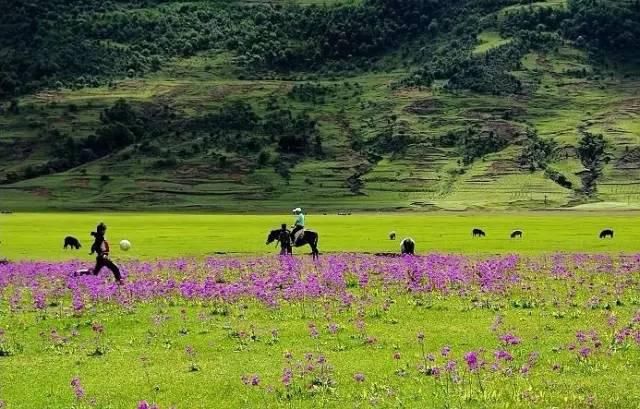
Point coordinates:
[[442, 331]]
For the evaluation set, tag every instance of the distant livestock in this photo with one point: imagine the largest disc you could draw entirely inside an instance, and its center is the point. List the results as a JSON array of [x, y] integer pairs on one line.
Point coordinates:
[[408, 247], [71, 242], [392, 235], [606, 233], [478, 233], [516, 234]]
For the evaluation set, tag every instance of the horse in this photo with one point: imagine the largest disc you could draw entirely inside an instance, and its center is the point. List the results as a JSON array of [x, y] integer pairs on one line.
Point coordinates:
[[516, 234], [478, 233], [308, 237], [606, 233], [72, 242], [408, 247]]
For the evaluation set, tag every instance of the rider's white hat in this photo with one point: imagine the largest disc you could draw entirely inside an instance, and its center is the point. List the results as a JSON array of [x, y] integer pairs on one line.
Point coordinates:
[[297, 210]]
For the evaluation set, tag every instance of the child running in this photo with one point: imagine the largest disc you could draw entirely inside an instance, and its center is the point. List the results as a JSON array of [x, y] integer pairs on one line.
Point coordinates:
[[101, 248]]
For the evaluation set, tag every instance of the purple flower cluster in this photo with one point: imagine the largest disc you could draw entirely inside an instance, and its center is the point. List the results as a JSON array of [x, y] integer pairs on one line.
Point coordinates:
[[146, 405], [78, 390], [271, 280]]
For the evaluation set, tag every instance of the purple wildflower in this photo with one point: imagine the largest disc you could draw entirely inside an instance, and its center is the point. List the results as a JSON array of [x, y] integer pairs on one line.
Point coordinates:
[[510, 339], [503, 355], [255, 380], [97, 328], [287, 377], [313, 331], [471, 358], [359, 377], [584, 353], [78, 390], [451, 366]]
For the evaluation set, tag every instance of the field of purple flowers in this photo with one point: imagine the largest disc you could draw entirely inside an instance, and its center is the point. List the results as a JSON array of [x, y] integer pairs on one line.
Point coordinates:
[[442, 331]]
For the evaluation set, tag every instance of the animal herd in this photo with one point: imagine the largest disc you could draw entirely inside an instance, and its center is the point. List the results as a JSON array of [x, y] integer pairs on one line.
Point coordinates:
[[408, 245], [516, 234]]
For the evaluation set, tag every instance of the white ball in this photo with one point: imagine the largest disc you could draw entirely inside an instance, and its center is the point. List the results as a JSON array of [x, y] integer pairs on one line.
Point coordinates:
[[125, 245]]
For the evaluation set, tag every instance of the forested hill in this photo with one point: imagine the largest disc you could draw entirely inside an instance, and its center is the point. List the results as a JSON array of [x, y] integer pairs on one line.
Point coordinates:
[[333, 105]]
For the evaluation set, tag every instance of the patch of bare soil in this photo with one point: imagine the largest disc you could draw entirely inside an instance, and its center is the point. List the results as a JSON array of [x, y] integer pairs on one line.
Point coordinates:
[[80, 182], [503, 167], [495, 113], [425, 107], [504, 129], [191, 172], [39, 191], [630, 159]]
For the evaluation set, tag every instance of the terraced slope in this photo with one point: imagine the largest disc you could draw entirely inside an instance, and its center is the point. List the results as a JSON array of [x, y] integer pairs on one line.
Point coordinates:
[[385, 133]]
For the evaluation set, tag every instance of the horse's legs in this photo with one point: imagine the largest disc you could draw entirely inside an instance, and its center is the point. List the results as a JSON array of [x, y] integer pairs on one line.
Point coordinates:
[[314, 250]]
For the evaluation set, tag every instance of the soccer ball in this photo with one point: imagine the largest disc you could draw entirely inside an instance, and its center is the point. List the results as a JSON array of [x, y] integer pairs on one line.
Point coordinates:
[[125, 245]]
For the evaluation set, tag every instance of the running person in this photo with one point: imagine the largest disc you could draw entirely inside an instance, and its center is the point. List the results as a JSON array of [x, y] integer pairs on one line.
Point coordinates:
[[101, 248]]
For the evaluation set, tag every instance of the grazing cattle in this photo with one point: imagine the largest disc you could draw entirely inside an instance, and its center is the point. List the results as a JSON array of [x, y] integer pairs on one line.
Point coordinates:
[[516, 234], [408, 247], [478, 233], [71, 242], [606, 233], [392, 235]]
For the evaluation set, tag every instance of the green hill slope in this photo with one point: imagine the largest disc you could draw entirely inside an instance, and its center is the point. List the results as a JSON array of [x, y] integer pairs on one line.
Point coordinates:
[[342, 105]]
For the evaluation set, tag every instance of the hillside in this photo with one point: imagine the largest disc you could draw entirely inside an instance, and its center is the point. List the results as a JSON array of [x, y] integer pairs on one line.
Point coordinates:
[[330, 105]]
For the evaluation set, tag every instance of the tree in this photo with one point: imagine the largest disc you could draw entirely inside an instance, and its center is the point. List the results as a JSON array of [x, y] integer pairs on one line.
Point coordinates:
[[537, 153], [591, 151]]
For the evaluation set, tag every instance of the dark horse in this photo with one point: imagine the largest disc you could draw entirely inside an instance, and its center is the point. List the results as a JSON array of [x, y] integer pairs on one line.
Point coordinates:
[[309, 237]]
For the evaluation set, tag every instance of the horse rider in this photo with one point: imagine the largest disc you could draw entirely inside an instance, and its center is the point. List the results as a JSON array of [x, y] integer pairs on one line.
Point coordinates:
[[298, 224]]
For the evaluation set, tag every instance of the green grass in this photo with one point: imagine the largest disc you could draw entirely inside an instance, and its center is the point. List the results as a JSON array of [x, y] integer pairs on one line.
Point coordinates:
[[142, 349], [40, 375], [40, 236], [38, 372], [489, 40]]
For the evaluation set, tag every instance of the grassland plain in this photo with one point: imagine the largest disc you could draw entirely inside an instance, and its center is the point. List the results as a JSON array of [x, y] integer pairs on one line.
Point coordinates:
[[157, 235]]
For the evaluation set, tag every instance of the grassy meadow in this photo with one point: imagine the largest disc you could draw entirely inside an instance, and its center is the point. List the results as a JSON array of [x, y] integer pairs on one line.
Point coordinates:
[[351, 331], [470, 323], [40, 236]]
